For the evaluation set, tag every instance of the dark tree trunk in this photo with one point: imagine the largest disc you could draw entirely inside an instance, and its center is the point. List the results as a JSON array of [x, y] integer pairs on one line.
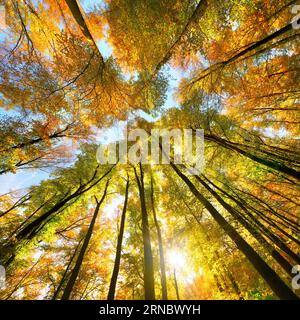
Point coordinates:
[[64, 277], [160, 246], [31, 215], [114, 277], [275, 165], [76, 12], [70, 284], [176, 285], [268, 274], [258, 45], [17, 204], [198, 13], [256, 233], [148, 259], [29, 231]]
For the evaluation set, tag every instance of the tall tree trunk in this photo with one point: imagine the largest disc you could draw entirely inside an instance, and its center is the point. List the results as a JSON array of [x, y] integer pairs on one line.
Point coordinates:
[[275, 165], [114, 277], [56, 135], [78, 16], [17, 204], [29, 231], [20, 164], [268, 274], [160, 246], [198, 13], [288, 221], [63, 279], [31, 215], [148, 259], [256, 233], [70, 284], [248, 51], [176, 284]]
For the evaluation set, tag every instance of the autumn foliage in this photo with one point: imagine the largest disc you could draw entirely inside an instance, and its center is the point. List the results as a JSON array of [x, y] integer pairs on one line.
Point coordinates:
[[69, 69]]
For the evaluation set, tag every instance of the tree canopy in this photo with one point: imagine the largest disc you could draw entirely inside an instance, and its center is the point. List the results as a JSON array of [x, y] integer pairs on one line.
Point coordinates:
[[71, 71]]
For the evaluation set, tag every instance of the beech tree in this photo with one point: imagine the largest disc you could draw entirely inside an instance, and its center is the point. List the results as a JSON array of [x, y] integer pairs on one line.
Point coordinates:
[[76, 74]]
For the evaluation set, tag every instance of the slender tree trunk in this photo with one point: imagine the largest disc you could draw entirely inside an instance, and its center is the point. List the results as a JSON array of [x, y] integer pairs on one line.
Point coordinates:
[[17, 204], [29, 231], [31, 215], [266, 162], [222, 264], [255, 233], [290, 222], [268, 274], [160, 246], [63, 279], [198, 13], [114, 277], [148, 259], [176, 284], [22, 280], [76, 12], [258, 45], [70, 284], [20, 164], [55, 135]]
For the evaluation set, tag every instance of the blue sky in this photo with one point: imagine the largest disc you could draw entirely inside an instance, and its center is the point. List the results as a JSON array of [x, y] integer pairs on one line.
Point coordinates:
[[25, 178], [21, 180]]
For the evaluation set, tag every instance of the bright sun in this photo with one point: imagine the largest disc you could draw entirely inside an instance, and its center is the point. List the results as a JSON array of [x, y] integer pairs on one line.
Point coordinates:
[[176, 259]]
